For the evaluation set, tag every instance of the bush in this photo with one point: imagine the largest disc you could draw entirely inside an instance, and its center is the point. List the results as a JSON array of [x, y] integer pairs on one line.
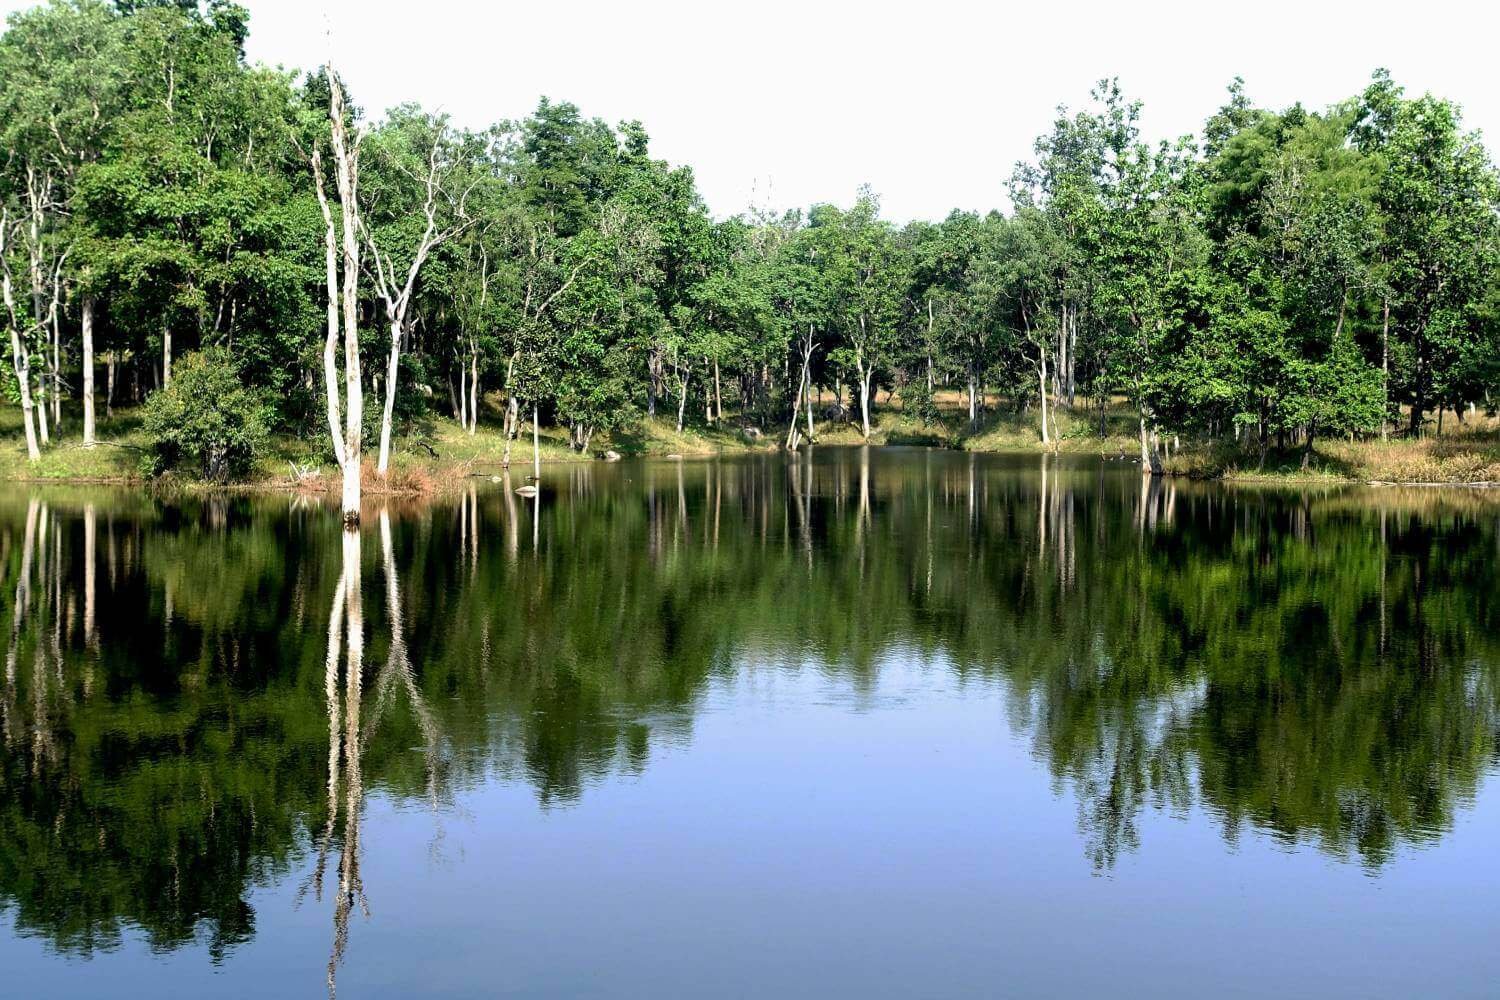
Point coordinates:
[[920, 401], [206, 420]]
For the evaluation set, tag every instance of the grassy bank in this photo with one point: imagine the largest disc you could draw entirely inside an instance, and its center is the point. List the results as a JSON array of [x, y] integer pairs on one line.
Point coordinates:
[[1470, 455], [440, 454]]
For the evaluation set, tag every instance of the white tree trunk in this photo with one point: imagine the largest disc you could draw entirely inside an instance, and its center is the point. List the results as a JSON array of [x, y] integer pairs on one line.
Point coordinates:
[[791, 434], [718, 395], [392, 365], [353, 417], [512, 424], [864, 398], [166, 356], [809, 397], [87, 309], [1385, 368], [346, 160], [56, 375], [19, 357], [473, 393], [23, 381], [41, 404], [1042, 397], [346, 439]]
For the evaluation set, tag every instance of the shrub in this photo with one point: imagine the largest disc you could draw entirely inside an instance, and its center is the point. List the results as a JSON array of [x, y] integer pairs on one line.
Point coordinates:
[[920, 401], [206, 420]]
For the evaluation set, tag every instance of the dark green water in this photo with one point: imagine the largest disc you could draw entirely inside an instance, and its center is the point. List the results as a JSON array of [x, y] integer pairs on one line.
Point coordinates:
[[889, 723]]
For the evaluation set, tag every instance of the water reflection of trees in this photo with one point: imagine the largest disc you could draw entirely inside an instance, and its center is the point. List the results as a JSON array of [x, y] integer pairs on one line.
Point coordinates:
[[183, 711], [349, 736]]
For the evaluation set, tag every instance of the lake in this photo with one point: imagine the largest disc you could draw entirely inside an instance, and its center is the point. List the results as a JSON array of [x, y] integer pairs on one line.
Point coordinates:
[[876, 723]]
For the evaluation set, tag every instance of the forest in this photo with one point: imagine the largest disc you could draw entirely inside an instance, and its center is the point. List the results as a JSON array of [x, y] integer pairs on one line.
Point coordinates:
[[247, 253]]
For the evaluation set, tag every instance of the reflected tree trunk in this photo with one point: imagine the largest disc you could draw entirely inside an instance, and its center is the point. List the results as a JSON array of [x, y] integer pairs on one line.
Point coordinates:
[[90, 545]]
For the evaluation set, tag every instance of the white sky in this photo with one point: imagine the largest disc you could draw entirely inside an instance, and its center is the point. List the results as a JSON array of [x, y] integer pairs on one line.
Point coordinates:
[[931, 102]]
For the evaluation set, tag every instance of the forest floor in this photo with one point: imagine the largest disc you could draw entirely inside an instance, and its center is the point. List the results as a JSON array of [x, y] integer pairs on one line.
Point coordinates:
[[439, 454]]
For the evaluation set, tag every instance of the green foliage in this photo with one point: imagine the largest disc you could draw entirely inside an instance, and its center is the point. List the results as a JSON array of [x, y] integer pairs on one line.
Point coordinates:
[[206, 420], [1218, 286]]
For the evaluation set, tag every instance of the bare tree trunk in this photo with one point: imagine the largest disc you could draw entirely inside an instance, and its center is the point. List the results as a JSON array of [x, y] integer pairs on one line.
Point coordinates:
[[330, 339], [1072, 373], [864, 398], [41, 407], [1150, 457], [512, 424], [718, 395], [791, 434], [87, 310], [1042, 398], [809, 397], [166, 355], [109, 385], [1059, 387], [536, 443], [651, 382], [23, 380], [682, 399], [353, 432], [347, 160], [20, 360], [392, 366], [56, 373], [457, 399], [397, 294], [1385, 367], [1418, 409], [473, 392], [931, 323]]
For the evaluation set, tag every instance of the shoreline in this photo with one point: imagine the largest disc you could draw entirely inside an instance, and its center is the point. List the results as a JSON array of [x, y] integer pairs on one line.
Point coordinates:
[[440, 455], [439, 477]]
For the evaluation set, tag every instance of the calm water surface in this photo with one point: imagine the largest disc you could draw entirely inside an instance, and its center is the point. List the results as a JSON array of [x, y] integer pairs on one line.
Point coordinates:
[[881, 723]]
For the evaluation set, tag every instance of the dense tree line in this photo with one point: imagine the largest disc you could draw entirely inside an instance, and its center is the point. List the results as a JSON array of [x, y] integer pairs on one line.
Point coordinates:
[[1284, 276]]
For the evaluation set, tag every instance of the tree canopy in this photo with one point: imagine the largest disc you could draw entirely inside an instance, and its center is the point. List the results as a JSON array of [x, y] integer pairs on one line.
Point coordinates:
[[1285, 275]]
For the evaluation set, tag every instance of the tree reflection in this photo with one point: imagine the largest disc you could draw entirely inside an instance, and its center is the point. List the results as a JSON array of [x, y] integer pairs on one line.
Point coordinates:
[[348, 737], [180, 718], [345, 748]]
